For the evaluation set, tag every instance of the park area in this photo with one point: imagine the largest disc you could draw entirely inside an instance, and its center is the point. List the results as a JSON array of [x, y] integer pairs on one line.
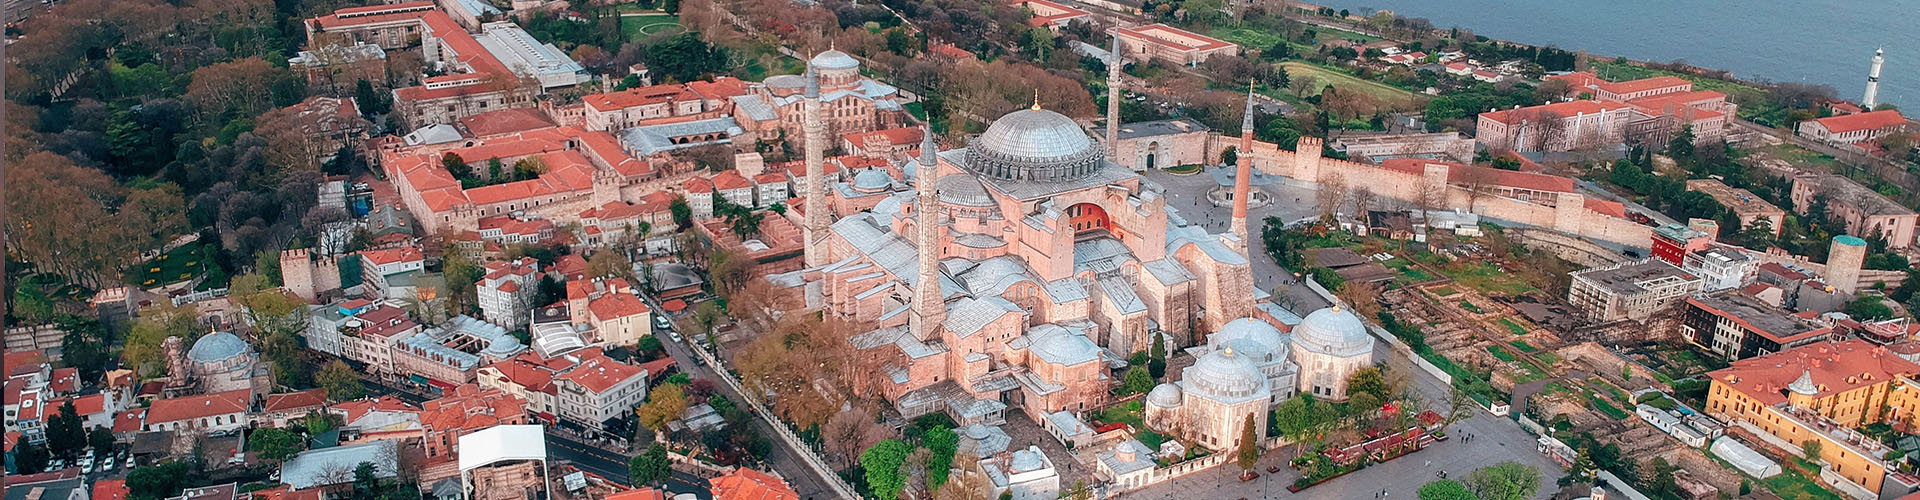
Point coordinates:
[[1388, 95], [643, 24]]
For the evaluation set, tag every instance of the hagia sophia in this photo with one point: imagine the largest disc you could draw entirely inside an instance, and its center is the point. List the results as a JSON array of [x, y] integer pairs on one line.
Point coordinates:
[[1021, 270]]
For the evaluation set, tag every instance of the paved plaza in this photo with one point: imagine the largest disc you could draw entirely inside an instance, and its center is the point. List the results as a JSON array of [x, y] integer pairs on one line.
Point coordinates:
[[1188, 195]]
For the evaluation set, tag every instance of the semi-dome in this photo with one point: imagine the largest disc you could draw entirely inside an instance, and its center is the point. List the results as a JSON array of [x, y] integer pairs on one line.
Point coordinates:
[[1164, 396], [1224, 374], [963, 190], [1251, 337], [833, 59], [1035, 144], [1333, 331], [870, 180], [216, 347]]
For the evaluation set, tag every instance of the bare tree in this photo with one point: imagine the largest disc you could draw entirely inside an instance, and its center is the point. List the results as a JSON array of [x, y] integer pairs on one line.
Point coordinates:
[[1479, 182], [1332, 194], [1362, 201], [1303, 85]]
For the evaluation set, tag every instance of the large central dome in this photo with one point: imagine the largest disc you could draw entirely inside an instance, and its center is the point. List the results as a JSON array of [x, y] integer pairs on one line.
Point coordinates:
[[1034, 145]]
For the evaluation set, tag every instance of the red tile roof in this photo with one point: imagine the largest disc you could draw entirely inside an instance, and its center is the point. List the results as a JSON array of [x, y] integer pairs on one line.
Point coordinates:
[[293, 401], [1561, 109], [616, 305], [697, 185], [387, 321], [1608, 208], [506, 121], [526, 371], [191, 407], [601, 373], [387, 256], [1577, 81], [570, 265], [1862, 121], [894, 137], [1460, 174], [129, 421], [1835, 367], [82, 406], [65, 380], [721, 87], [658, 368], [284, 492], [639, 96], [731, 180], [1161, 33], [360, 408], [638, 494], [471, 408], [749, 484], [1645, 84], [109, 489], [24, 362]]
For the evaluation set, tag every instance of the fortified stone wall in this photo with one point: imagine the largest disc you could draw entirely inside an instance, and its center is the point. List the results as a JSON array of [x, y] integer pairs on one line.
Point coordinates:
[[1578, 251]]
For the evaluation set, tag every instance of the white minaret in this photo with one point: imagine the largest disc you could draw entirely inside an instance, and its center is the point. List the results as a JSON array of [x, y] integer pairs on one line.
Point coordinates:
[[1872, 97], [1113, 99], [815, 230], [929, 304]]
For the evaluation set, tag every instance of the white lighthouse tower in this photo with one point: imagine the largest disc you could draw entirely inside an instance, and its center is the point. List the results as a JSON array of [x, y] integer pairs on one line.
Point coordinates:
[[1873, 81]]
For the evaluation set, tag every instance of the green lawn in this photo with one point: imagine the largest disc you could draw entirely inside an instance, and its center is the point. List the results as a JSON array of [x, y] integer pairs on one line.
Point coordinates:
[[638, 27], [1487, 278], [1500, 352], [1548, 358], [1470, 307], [1512, 327], [1523, 346], [1604, 407], [1408, 273], [1790, 484], [1445, 291], [175, 266], [1184, 169], [1797, 155], [1387, 94], [1129, 412]]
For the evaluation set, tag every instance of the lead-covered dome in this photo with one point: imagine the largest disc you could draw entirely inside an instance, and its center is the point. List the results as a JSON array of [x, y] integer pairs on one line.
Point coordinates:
[[216, 347], [870, 180], [1251, 337], [833, 59], [963, 190], [1034, 144], [1226, 376], [1164, 396], [1333, 331]]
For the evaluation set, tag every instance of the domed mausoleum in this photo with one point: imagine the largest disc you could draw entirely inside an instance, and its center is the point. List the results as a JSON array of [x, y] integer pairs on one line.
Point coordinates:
[[1249, 358], [1330, 345], [222, 361]]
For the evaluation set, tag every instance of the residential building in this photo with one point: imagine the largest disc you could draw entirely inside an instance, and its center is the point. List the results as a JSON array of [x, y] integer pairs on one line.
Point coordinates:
[[507, 290], [1720, 268], [600, 389], [1822, 392], [511, 230], [323, 329], [217, 413], [528, 377], [464, 409], [617, 315], [1672, 242], [376, 266], [1170, 44], [1635, 290], [1734, 326], [885, 143], [1855, 131], [70, 488], [623, 109], [371, 337], [1750, 208], [1053, 15], [1866, 212], [281, 410], [748, 484]]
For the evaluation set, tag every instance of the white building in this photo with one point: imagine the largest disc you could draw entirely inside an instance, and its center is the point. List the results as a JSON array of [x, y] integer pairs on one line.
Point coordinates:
[[1632, 290], [1329, 345], [1029, 476], [1129, 463], [1852, 130], [1248, 367], [528, 57], [506, 292], [204, 414], [1719, 268], [600, 389]]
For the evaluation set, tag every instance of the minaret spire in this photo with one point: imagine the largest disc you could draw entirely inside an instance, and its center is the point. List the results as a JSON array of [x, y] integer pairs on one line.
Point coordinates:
[[1243, 172], [929, 304], [815, 229], [1113, 97]]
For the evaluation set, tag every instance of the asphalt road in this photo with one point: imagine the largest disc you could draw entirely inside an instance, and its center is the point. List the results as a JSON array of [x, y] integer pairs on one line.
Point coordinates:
[[614, 466]]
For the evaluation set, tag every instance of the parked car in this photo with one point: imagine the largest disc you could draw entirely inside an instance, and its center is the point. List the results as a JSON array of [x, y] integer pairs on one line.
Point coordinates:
[[662, 323], [107, 465], [86, 465]]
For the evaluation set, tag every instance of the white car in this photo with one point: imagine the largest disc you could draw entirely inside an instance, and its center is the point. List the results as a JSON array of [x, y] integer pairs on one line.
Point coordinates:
[[662, 323], [86, 464], [674, 335], [108, 465]]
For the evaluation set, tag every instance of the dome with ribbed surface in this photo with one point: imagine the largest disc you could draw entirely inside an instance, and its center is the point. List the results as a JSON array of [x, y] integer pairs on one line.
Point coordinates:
[[216, 347], [1034, 144], [834, 59], [870, 180], [1333, 331], [963, 190], [1225, 376]]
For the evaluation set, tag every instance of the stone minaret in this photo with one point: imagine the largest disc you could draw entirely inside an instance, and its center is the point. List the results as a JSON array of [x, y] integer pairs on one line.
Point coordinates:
[[811, 127], [1243, 173], [1113, 99], [1873, 80], [929, 305]]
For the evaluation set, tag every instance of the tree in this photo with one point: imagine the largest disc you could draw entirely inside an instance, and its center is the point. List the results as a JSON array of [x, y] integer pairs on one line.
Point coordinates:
[[666, 403], [29, 458], [1444, 489], [651, 467], [850, 432], [942, 443], [1681, 147], [101, 440], [142, 352], [1869, 307], [1138, 380], [1249, 453], [155, 482], [1157, 358], [1230, 155], [341, 381], [1460, 406], [1811, 449], [1370, 380], [1507, 480], [65, 436], [682, 212], [882, 462], [84, 347], [1332, 194], [273, 444]]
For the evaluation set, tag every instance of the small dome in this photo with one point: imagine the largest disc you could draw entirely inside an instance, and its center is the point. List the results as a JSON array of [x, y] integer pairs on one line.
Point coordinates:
[[978, 432], [1804, 385], [216, 347], [1035, 144], [834, 59], [1333, 331], [870, 180], [1252, 337], [1224, 374], [1164, 396]]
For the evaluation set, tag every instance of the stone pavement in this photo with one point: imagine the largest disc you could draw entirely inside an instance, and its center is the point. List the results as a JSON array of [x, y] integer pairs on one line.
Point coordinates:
[[1188, 195]]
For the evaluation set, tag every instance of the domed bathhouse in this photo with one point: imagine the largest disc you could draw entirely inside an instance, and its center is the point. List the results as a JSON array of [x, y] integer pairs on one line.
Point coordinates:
[[1249, 358], [1020, 271], [222, 361]]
